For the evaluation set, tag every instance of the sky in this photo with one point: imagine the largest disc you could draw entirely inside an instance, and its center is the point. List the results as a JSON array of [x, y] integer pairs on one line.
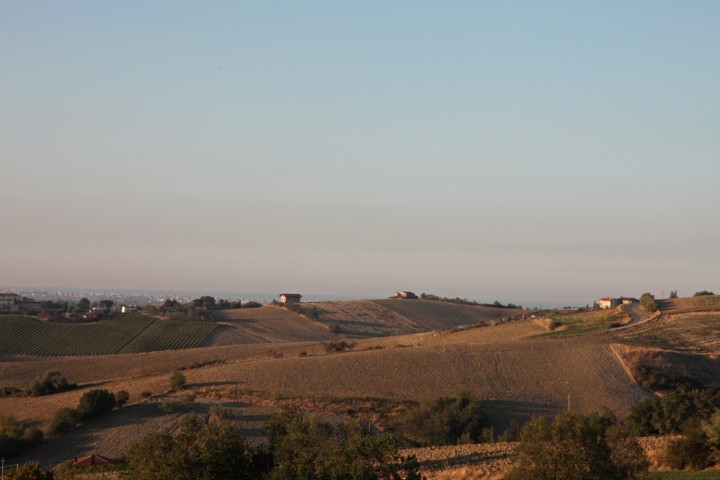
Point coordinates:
[[530, 152]]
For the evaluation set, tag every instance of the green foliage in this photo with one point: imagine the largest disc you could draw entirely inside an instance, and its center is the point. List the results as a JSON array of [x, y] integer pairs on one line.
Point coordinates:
[[702, 293], [305, 448], [15, 438], [63, 421], [29, 471], [50, 383], [196, 452], [647, 301], [465, 301], [669, 413], [119, 333], [444, 421], [576, 447], [95, 403], [177, 381]]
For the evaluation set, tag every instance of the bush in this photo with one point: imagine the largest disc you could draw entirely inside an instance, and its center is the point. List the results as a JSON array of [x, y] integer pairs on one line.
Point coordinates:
[[29, 471], [339, 346], [647, 301], [197, 451], [121, 398], [444, 421], [306, 448], [177, 381], [95, 403], [63, 421], [668, 414], [703, 293], [15, 438], [576, 447]]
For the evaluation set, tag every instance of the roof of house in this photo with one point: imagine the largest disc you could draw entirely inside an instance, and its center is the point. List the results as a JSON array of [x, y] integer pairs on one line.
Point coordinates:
[[92, 460], [607, 299], [291, 295]]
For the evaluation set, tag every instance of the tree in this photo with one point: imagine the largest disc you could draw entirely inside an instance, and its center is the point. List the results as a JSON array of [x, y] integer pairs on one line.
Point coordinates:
[[444, 421], [647, 301], [576, 447], [83, 305], [177, 381], [703, 293], [306, 448], [196, 452], [106, 304], [673, 294], [95, 403], [63, 421]]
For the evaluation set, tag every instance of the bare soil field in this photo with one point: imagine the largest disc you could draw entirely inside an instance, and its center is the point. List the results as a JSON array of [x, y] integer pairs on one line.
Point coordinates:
[[268, 324], [702, 303], [432, 315], [515, 373], [689, 332]]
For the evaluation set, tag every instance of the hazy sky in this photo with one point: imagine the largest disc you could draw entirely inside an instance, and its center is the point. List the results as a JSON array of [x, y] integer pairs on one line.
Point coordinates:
[[517, 151]]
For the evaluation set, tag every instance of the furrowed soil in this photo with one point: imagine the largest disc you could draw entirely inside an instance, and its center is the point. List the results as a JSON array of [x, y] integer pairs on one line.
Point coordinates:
[[503, 363]]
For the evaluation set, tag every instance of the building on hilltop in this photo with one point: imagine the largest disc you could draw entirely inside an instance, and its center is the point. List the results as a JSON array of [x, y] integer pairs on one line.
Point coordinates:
[[290, 298], [609, 302], [405, 295]]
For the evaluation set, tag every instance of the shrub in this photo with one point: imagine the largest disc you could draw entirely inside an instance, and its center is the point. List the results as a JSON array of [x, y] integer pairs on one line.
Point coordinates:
[[63, 421], [703, 293], [177, 381], [444, 421], [197, 451], [668, 414], [305, 448], [576, 447], [29, 471], [95, 403], [15, 438], [339, 346], [121, 398], [647, 301]]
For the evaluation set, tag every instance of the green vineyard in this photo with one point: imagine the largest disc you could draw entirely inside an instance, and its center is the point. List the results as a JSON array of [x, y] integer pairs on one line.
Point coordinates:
[[121, 333]]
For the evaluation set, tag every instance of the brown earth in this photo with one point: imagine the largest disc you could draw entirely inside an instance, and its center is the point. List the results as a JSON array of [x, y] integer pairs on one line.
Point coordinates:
[[515, 373]]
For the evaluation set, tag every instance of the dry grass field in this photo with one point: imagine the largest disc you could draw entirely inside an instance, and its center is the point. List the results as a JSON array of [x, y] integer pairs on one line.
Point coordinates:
[[513, 370]]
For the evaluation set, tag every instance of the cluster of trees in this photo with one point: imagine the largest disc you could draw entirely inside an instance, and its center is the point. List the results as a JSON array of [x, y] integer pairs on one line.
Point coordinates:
[[465, 301], [444, 421], [93, 404], [703, 293], [48, 384], [15, 437], [299, 447], [693, 413], [577, 447], [201, 308]]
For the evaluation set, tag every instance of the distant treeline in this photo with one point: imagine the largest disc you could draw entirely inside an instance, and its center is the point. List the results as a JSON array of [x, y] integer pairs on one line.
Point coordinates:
[[465, 301]]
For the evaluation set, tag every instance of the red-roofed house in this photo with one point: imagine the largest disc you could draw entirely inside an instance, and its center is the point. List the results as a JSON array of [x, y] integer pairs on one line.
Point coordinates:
[[290, 298], [92, 461]]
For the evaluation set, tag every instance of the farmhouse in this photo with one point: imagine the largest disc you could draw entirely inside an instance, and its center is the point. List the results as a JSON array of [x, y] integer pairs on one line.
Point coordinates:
[[609, 302], [290, 298], [405, 295], [8, 299]]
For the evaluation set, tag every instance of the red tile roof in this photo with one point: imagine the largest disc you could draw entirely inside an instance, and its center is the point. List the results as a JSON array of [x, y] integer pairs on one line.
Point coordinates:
[[291, 295], [92, 460]]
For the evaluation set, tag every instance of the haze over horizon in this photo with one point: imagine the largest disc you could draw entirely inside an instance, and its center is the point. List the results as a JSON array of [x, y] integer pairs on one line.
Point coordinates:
[[524, 152]]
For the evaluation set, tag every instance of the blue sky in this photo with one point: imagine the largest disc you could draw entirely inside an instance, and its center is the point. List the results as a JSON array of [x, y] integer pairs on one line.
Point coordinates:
[[527, 152]]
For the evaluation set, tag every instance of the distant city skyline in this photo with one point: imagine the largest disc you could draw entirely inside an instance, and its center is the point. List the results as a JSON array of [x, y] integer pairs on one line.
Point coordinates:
[[527, 152]]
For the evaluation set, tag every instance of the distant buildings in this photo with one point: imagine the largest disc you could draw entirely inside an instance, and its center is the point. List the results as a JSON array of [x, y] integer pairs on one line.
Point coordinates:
[[610, 302], [290, 298], [9, 299], [405, 295]]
